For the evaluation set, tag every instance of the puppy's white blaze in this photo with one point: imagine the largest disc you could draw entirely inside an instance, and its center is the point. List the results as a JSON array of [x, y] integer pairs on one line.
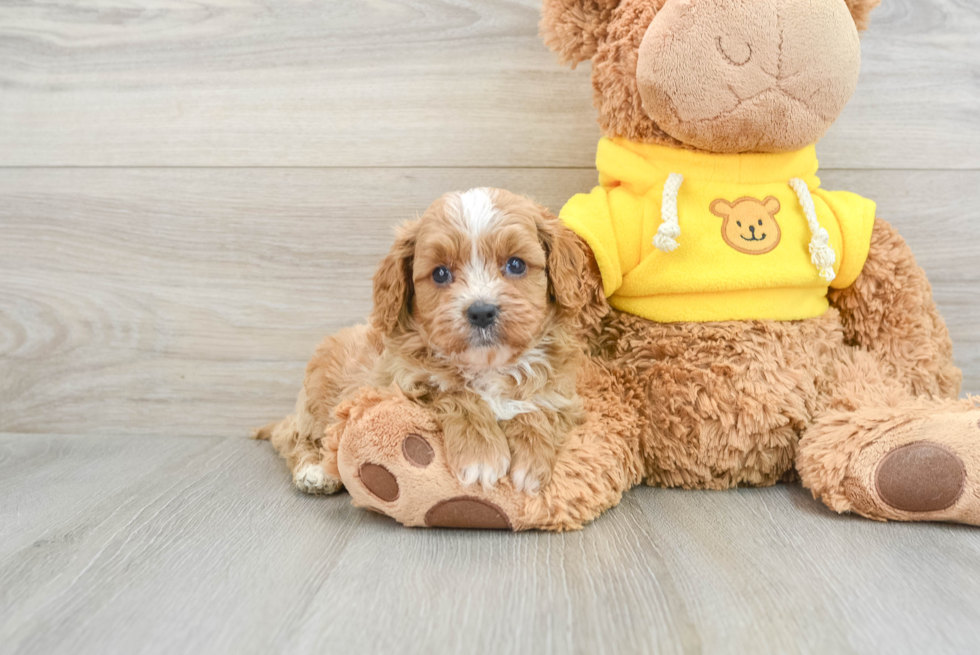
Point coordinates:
[[477, 213], [482, 283]]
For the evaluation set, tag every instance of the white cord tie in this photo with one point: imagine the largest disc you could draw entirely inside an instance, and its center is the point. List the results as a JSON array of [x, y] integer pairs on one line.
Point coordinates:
[[821, 253], [666, 237]]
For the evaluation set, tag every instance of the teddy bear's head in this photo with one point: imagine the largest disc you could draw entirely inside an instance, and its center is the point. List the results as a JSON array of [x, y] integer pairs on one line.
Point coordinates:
[[718, 75]]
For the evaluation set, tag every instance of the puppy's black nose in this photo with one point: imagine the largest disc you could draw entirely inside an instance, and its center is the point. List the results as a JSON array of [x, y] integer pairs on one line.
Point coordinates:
[[482, 315]]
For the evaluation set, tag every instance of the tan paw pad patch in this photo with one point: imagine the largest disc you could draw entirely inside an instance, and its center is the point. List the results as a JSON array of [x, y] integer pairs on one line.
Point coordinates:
[[467, 512], [379, 481], [417, 451], [920, 477]]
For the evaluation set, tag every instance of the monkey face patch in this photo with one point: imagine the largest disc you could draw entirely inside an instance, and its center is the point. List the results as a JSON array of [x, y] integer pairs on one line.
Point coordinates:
[[749, 225]]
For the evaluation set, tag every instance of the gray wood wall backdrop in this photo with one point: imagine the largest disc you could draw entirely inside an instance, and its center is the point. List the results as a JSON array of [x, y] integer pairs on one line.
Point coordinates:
[[193, 194]]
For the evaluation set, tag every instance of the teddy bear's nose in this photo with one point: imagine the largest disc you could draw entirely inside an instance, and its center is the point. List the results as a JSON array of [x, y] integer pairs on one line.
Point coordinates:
[[752, 229]]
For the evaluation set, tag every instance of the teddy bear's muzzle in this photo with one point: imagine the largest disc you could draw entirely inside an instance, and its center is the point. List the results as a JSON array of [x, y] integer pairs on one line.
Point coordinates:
[[764, 76]]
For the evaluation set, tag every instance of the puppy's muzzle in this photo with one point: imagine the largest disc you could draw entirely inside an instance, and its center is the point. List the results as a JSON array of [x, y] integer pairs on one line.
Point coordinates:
[[482, 315]]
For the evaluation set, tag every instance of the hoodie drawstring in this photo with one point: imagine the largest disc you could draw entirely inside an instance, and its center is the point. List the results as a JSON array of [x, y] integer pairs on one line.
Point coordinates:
[[670, 229], [821, 253]]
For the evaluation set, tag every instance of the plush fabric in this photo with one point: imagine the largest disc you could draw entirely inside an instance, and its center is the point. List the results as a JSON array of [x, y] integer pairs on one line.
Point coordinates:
[[619, 219], [734, 76], [773, 119], [860, 403], [574, 29], [721, 405], [591, 475]]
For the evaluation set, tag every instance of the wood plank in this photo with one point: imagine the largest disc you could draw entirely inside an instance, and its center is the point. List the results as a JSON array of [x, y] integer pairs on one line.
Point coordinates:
[[214, 547], [773, 571], [187, 302], [46, 480], [403, 83], [213, 552]]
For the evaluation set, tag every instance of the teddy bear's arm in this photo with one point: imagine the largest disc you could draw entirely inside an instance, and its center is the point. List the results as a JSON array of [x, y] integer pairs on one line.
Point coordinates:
[[890, 311]]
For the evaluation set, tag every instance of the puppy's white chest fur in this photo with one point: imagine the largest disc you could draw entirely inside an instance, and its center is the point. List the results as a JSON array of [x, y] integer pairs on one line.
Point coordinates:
[[519, 388], [497, 392]]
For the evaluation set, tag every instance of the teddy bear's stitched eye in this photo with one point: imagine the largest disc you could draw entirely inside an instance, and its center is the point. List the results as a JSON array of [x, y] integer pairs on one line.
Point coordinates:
[[739, 223], [515, 267], [442, 276], [760, 222]]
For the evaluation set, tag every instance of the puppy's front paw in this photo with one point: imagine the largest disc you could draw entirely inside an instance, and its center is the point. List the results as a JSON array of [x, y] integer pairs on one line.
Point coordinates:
[[312, 479], [483, 462], [486, 473], [532, 470]]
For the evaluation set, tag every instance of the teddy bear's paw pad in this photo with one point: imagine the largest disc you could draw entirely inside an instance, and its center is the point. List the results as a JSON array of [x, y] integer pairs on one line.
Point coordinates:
[[469, 513], [920, 477], [379, 481], [312, 479], [417, 451]]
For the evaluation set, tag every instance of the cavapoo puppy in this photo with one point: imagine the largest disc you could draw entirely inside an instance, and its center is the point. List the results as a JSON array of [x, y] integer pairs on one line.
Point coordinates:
[[479, 314]]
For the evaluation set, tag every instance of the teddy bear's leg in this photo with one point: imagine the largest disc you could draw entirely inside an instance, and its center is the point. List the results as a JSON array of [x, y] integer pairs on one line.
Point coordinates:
[[391, 460], [722, 404], [885, 454], [890, 312]]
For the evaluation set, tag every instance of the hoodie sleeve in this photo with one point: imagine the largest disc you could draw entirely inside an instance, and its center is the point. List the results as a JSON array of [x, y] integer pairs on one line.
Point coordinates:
[[856, 218], [588, 215]]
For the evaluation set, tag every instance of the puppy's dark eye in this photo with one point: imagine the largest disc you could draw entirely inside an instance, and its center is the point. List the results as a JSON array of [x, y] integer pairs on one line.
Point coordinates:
[[442, 275], [515, 266]]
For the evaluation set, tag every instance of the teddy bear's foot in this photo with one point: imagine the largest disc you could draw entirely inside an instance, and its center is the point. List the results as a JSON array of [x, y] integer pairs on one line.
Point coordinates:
[[918, 462], [391, 460]]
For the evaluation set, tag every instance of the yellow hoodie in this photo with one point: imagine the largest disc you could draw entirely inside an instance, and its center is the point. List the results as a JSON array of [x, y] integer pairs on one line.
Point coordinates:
[[690, 236]]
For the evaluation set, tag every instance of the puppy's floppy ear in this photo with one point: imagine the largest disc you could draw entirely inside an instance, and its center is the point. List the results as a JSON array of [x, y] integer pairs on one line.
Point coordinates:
[[574, 28], [393, 286], [861, 11], [574, 282]]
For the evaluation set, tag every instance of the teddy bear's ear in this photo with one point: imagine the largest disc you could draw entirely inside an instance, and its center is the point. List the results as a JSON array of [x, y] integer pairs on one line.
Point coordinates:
[[720, 208], [771, 205], [861, 11], [574, 28]]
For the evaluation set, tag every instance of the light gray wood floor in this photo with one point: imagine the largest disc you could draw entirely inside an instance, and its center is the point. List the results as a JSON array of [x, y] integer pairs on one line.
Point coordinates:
[[193, 194]]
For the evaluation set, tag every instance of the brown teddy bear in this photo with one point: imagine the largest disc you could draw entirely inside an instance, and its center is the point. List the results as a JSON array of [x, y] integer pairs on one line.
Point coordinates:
[[762, 328]]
